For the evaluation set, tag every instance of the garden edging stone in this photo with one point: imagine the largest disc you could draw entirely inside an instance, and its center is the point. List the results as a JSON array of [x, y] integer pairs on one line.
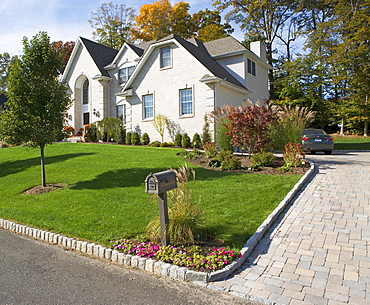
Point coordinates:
[[151, 265]]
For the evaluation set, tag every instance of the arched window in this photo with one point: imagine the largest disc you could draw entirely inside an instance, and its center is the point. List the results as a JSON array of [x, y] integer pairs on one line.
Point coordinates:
[[85, 92]]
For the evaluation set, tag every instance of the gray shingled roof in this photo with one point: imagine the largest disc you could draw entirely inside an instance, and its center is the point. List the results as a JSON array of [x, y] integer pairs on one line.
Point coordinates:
[[200, 52], [203, 52], [224, 46], [102, 55]]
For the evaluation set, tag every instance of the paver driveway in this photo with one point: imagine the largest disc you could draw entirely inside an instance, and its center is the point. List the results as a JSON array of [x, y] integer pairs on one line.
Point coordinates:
[[318, 252]]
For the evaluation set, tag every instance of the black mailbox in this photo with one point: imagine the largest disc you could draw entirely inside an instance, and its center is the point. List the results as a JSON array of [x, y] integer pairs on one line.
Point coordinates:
[[160, 182]]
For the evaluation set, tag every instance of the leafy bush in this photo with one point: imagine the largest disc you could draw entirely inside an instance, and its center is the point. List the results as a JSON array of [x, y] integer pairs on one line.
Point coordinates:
[[135, 138], [250, 127], [178, 139], [128, 137], [222, 138], [197, 142], [206, 134], [263, 159], [193, 154], [165, 144], [109, 128], [210, 149], [145, 139], [122, 137], [293, 154], [91, 134], [155, 144], [185, 141], [228, 160]]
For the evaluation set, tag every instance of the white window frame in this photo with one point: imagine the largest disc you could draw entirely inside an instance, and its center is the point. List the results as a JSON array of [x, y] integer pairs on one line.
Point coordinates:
[[123, 118], [251, 67], [125, 73], [85, 92], [146, 107], [165, 62], [183, 102]]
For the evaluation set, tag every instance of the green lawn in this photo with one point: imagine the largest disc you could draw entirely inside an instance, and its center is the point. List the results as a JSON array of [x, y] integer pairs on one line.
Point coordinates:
[[105, 196], [351, 143]]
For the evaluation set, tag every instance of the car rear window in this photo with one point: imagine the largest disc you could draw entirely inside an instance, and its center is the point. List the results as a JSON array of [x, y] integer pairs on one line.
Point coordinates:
[[316, 131]]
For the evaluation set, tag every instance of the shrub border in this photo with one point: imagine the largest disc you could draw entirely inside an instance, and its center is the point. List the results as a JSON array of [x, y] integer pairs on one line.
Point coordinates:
[[151, 265]]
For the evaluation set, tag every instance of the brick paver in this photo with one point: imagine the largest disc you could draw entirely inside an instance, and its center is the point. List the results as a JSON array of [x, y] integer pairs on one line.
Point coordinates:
[[318, 251]]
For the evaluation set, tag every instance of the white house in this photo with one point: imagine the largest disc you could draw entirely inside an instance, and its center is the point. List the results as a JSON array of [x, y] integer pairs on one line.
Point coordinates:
[[181, 79]]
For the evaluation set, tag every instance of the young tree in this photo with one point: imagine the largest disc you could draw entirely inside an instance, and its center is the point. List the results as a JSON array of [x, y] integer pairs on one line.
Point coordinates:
[[159, 123], [160, 19], [37, 106], [112, 24]]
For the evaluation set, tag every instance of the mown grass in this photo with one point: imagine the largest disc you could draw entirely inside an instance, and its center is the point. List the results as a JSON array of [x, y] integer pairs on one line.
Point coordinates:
[[104, 198], [351, 143]]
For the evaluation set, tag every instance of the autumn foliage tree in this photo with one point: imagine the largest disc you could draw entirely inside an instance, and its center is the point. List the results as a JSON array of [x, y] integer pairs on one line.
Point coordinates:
[[161, 19], [249, 127], [63, 50]]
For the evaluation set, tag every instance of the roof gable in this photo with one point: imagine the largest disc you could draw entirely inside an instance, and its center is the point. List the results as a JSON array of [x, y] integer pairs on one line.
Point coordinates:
[[196, 48], [102, 55], [199, 51]]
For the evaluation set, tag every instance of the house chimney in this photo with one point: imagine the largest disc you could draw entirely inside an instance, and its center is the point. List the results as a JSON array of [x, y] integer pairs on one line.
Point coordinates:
[[258, 48]]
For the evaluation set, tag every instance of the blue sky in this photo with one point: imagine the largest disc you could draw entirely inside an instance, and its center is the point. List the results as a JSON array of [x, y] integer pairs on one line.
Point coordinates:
[[62, 19]]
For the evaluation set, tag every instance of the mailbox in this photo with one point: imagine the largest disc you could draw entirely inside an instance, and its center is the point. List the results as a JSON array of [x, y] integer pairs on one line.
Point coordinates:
[[160, 182]]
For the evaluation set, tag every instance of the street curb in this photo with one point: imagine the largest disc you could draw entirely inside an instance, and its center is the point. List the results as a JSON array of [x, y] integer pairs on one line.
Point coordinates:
[[150, 265]]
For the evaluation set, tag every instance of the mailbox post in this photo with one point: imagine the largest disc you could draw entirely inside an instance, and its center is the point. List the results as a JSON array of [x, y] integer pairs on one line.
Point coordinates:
[[160, 183]]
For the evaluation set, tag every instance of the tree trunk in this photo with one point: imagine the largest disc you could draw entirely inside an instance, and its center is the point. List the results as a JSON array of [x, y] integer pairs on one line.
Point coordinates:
[[42, 148], [366, 128]]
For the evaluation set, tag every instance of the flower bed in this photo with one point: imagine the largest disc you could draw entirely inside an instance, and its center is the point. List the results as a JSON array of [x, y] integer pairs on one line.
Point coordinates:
[[191, 257]]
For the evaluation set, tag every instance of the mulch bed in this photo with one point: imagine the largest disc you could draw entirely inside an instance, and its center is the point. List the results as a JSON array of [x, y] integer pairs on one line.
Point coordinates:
[[246, 163], [38, 190]]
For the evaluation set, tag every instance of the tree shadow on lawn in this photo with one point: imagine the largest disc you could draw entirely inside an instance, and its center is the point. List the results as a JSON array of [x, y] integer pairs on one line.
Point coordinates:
[[14, 167], [130, 177]]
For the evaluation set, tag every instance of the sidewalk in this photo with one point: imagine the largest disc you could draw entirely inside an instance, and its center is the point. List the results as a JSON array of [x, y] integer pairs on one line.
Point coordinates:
[[318, 251]]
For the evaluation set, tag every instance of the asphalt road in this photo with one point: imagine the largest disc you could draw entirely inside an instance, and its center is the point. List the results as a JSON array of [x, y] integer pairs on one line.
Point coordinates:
[[34, 272]]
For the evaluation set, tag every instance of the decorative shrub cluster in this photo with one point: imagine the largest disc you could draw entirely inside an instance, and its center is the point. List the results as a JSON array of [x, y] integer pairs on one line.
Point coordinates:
[[210, 149], [189, 257], [263, 158], [293, 154], [69, 129]]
